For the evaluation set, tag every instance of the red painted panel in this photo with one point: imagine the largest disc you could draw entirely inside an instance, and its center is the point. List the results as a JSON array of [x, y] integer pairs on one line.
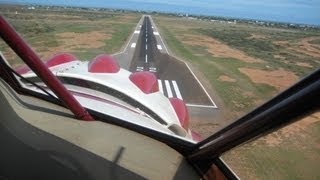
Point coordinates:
[[181, 111], [104, 64], [22, 70], [145, 81], [195, 136], [60, 58]]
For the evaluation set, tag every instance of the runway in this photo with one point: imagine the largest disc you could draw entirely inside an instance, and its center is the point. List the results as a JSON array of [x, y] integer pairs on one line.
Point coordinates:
[[175, 78], [146, 51]]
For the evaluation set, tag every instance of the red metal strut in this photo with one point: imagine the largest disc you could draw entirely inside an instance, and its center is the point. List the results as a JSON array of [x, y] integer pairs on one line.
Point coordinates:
[[11, 37]]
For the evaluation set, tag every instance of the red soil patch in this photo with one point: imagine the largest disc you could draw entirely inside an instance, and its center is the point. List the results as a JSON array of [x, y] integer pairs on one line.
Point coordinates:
[[280, 79], [277, 138], [303, 46]]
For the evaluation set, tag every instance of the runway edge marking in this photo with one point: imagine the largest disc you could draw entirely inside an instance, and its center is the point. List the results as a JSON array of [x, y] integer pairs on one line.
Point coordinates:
[[155, 27], [214, 104], [201, 106], [126, 47]]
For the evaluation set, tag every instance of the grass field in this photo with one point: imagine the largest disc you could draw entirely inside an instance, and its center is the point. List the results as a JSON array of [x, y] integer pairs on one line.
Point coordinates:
[[217, 50], [247, 65], [83, 33]]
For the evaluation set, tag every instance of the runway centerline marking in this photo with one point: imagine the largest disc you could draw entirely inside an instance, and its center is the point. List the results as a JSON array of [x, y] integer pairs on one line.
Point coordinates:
[[176, 89], [166, 82], [146, 58]]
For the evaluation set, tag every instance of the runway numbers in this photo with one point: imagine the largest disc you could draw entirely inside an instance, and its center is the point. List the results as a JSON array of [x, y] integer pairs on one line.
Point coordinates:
[[133, 45], [169, 88], [156, 33], [159, 47], [136, 32]]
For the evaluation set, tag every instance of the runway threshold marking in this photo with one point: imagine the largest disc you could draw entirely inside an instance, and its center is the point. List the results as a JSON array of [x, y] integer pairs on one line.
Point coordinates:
[[176, 89], [167, 89], [160, 86], [166, 82]]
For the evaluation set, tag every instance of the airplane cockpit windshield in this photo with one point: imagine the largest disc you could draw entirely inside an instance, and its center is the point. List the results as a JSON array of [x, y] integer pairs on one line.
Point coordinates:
[[218, 61]]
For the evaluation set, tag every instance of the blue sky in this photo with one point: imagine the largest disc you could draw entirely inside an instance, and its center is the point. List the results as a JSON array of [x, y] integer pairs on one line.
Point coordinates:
[[296, 11]]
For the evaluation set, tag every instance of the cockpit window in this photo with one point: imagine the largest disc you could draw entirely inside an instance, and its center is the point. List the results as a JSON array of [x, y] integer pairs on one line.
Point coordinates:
[[221, 60], [221, 67]]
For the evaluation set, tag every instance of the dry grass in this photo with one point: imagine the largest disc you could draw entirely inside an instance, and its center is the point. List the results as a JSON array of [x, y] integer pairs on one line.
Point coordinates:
[[84, 33], [226, 78], [217, 48], [246, 65], [73, 42]]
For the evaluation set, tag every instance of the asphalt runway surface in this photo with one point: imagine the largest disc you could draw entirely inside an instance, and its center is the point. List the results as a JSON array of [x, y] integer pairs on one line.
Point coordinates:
[[174, 77], [146, 51]]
